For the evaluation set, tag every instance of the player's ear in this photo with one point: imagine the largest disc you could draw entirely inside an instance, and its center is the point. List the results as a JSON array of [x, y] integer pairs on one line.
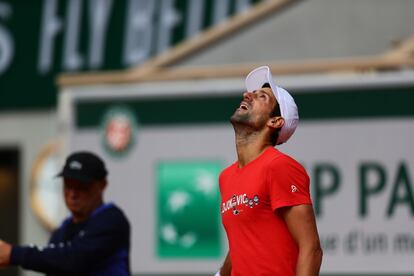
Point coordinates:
[[276, 122]]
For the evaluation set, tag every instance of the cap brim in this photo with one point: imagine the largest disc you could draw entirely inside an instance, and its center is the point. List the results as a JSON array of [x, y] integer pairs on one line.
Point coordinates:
[[259, 76], [75, 176]]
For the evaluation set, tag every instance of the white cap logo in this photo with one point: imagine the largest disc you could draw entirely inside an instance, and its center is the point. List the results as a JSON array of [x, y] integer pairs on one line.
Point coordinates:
[[75, 165]]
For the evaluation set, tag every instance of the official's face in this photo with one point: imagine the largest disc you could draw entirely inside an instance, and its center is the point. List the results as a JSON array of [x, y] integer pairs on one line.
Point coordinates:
[[82, 198], [256, 108]]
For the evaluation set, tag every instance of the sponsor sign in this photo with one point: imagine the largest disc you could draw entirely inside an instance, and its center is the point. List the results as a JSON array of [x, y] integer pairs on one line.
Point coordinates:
[[40, 39], [187, 207]]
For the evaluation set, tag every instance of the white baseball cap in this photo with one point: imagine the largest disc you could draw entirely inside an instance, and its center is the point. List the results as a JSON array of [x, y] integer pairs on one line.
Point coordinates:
[[288, 109]]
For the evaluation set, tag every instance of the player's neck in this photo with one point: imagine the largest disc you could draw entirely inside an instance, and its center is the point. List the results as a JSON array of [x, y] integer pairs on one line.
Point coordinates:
[[249, 148]]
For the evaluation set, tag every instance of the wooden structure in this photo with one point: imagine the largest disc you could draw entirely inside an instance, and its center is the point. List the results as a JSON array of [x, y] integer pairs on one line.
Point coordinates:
[[159, 67]]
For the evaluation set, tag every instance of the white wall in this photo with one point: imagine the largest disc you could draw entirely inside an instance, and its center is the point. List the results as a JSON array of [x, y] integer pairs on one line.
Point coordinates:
[[29, 131]]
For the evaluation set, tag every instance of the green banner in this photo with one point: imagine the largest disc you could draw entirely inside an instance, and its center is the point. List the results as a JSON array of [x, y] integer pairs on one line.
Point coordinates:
[[313, 105], [188, 209], [42, 38]]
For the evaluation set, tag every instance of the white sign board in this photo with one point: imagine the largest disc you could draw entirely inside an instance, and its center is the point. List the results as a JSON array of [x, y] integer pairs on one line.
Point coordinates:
[[361, 173]]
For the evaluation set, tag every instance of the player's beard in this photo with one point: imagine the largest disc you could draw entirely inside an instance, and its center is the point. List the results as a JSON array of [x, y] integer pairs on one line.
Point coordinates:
[[245, 121], [237, 118]]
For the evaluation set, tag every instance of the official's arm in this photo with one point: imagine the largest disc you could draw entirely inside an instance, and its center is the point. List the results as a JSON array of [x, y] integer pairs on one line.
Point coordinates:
[[83, 253]]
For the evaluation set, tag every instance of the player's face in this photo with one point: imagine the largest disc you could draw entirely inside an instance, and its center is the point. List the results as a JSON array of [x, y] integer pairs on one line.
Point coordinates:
[[256, 108], [82, 198]]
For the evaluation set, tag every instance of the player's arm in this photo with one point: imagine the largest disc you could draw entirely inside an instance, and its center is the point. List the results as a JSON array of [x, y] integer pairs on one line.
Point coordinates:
[[225, 269], [301, 223]]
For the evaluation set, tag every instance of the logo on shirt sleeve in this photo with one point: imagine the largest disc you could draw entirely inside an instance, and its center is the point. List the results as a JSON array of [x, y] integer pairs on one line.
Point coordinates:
[[293, 188]]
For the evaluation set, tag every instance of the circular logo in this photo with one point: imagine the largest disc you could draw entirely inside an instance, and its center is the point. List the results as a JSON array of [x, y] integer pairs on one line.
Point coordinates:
[[45, 189], [119, 128]]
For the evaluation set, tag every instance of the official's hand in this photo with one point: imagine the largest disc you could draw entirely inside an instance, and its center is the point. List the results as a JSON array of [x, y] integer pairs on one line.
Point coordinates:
[[5, 251]]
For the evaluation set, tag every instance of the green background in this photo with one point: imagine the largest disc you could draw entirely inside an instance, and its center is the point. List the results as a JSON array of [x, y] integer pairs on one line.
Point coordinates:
[[200, 216], [391, 102]]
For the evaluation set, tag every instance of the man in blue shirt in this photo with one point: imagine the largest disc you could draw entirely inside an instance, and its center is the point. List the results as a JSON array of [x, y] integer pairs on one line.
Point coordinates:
[[94, 240]]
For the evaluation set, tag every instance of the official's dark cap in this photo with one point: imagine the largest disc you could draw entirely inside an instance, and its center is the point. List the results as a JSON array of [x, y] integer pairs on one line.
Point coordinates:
[[84, 166]]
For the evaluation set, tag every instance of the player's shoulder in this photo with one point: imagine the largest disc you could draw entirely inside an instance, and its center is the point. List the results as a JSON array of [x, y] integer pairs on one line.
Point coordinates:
[[280, 159], [229, 169]]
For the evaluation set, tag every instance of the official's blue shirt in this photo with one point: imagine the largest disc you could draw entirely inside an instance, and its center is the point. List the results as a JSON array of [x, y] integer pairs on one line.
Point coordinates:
[[98, 246]]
